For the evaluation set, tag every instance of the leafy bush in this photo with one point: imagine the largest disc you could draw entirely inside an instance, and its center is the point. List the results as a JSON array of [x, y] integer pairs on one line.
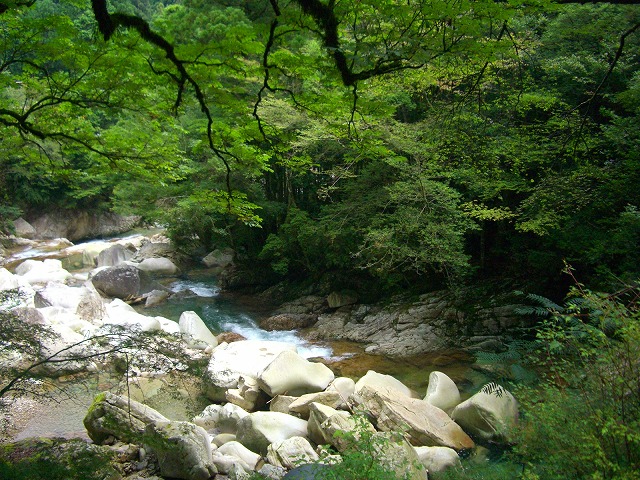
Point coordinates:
[[583, 421]]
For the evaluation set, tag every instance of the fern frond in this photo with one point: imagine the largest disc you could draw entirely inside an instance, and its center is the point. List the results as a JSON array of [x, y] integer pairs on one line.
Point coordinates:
[[493, 388]]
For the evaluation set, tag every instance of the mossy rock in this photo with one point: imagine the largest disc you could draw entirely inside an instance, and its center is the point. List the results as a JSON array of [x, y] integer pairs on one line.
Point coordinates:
[[56, 459]]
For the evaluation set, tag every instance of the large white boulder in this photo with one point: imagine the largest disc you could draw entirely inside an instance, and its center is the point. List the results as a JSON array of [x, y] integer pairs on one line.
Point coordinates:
[[229, 417], [9, 281], [114, 255], [258, 430], [294, 375], [246, 358], [159, 267], [85, 302], [182, 448], [422, 423], [169, 326], [344, 386], [115, 417], [121, 314], [42, 272], [381, 380], [247, 459], [197, 333], [300, 406], [325, 422], [442, 392], [438, 459], [291, 453], [208, 418], [491, 414]]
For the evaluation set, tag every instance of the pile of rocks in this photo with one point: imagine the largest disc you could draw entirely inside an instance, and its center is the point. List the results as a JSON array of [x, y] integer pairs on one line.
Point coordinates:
[[275, 410]]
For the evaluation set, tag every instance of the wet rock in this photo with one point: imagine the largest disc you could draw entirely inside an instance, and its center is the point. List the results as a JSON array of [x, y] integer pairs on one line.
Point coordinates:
[[288, 321], [114, 255], [159, 267], [124, 281]]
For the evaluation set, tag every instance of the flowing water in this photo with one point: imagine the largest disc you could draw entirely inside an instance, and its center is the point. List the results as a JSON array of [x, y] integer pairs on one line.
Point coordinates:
[[223, 312]]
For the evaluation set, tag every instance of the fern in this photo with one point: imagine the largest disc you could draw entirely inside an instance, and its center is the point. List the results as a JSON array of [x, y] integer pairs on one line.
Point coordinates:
[[493, 388]]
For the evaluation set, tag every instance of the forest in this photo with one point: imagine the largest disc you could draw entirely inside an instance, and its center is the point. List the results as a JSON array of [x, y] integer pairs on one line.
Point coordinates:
[[379, 146], [388, 144]]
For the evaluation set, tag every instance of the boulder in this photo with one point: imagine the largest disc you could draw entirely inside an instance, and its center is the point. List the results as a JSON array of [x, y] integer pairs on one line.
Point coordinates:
[[344, 386], [78, 225], [169, 326], [247, 459], [197, 333], [85, 302], [8, 281], [121, 314], [422, 423], [222, 438], [438, 459], [229, 417], [380, 380], [330, 398], [340, 299], [219, 259], [151, 249], [442, 392], [113, 417], [280, 403], [156, 297], [182, 448], [159, 267], [325, 422], [491, 414], [23, 228], [393, 452], [114, 255], [248, 394], [291, 452], [42, 272], [258, 430], [292, 374], [209, 417], [123, 281], [245, 358], [288, 321]]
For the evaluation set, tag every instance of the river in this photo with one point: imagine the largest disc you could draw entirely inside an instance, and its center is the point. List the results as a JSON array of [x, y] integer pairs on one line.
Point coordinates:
[[222, 312]]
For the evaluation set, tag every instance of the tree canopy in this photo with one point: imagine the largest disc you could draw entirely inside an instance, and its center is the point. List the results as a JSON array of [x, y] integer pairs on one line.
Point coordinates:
[[412, 143]]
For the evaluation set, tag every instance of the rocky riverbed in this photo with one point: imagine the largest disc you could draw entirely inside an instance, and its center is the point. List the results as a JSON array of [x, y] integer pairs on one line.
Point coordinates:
[[244, 405]]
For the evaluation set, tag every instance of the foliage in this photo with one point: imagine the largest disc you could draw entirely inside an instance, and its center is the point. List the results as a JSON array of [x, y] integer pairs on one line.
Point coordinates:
[[583, 420], [56, 459]]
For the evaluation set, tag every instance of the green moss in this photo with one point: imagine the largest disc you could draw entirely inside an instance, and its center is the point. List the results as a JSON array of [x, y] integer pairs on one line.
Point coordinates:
[[56, 459], [101, 397]]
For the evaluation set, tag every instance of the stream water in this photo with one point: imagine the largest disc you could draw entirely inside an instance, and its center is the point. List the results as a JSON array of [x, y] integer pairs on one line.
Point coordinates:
[[224, 312]]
